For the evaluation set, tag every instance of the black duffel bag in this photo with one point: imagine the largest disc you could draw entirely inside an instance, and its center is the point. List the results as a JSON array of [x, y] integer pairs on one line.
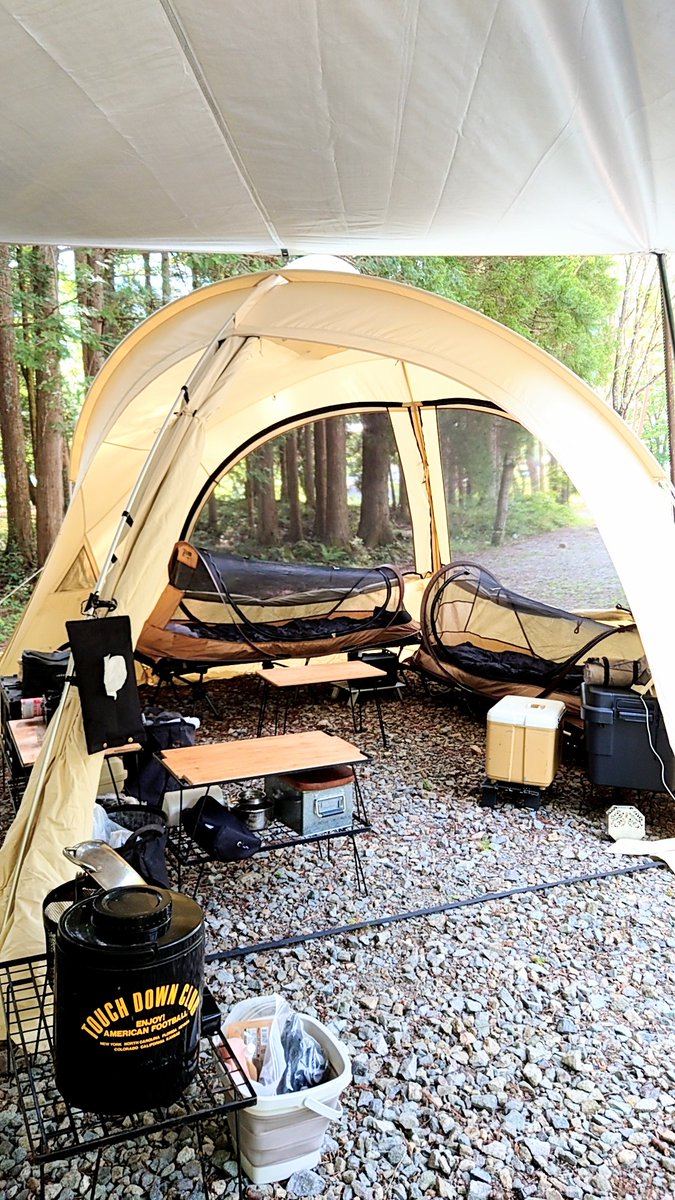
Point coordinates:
[[219, 832], [146, 777]]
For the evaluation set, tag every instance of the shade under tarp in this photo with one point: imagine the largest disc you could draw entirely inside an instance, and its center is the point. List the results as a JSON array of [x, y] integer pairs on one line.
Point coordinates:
[[392, 126]]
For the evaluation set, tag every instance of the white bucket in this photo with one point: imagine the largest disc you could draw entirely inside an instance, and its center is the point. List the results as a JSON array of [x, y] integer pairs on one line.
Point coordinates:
[[283, 1134]]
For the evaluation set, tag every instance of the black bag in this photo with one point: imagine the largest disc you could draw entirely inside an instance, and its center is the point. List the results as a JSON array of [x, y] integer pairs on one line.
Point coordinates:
[[218, 832], [147, 779], [145, 851], [43, 671]]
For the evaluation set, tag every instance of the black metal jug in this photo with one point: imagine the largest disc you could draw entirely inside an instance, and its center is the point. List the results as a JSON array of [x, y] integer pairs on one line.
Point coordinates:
[[128, 983]]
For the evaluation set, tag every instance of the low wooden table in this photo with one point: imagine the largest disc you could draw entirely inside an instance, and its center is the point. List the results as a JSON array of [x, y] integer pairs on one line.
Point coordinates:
[[255, 758], [342, 674]]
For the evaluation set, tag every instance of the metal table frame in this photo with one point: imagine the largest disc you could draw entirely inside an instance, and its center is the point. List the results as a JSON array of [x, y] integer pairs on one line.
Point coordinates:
[[57, 1130]]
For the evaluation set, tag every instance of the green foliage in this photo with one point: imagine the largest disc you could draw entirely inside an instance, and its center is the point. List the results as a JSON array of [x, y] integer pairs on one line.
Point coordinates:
[[566, 305], [12, 601]]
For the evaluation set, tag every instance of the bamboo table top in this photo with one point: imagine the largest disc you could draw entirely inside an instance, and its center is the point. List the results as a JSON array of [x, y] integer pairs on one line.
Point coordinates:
[[318, 673], [29, 734], [252, 758]]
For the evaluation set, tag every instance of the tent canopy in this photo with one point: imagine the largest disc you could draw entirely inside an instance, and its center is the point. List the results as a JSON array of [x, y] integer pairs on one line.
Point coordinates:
[[392, 126], [213, 375]]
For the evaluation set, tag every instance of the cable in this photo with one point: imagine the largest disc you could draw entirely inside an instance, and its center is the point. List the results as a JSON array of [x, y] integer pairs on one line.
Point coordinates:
[[653, 749], [414, 914]]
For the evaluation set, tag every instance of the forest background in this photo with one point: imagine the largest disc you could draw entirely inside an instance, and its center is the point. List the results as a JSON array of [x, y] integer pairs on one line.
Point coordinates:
[[333, 490]]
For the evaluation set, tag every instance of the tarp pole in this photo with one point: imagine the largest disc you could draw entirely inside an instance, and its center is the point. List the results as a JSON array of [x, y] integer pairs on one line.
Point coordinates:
[[668, 351]]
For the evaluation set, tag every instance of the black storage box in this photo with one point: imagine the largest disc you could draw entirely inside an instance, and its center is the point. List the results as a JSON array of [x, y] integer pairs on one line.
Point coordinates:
[[43, 672], [617, 740], [11, 693], [385, 660]]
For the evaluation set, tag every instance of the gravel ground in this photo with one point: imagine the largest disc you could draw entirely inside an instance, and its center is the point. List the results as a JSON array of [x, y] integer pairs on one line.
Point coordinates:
[[520, 1047], [517, 1047], [570, 567]]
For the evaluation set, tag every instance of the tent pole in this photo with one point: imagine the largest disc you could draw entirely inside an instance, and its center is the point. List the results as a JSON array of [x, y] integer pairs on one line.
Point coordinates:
[[668, 350]]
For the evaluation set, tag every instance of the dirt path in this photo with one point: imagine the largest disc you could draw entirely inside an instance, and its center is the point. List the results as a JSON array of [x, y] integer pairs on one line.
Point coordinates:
[[570, 567]]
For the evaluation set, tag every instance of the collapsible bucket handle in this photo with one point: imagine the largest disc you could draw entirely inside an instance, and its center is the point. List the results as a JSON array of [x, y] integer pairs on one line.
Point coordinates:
[[323, 1110]]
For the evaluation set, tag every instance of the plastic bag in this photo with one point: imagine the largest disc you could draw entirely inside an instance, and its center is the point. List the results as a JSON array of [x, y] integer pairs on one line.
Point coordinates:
[[286, 1057], [107, 830]]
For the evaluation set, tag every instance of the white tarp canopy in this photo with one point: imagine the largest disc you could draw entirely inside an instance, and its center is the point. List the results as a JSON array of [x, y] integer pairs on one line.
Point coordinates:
[[223, 369], [362, 126]]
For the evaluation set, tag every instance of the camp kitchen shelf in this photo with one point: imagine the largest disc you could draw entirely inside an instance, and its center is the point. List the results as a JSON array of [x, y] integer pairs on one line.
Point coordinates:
[[55, 1129], [255, 758]]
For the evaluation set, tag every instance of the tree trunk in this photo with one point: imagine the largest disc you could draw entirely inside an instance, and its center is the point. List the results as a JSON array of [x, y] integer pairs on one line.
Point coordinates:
[[293, 488], [320, 480], [308, 465], [212, 510], [28, 370], [166, 277], [268, 521], [374, 524], [147, 284], [533, 468], [337, 512], [110, 331], [508, 466], [90, 298], [19, 524], [48, 447], [250, 495]]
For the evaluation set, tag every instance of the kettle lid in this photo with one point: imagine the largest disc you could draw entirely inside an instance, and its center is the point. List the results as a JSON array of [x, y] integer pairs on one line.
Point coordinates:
[[124, 912]]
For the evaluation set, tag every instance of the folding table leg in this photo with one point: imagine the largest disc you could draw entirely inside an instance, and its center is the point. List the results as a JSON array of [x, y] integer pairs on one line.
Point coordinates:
[[378, 706]]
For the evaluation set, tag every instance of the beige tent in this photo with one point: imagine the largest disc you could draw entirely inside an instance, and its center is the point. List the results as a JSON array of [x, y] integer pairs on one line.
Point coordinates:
[[214, 374]]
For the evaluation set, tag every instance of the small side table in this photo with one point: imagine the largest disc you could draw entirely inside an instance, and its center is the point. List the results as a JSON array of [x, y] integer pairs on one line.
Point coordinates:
[[54, 1128], [25, 740], [255, 758], [291, 679]]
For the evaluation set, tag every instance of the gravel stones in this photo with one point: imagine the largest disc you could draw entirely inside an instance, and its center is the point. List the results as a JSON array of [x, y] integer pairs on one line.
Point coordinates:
[[521, 1047]]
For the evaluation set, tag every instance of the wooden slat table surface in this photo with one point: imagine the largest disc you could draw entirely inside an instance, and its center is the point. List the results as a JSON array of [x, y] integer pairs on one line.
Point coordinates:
[[252, 758], [318, 673]]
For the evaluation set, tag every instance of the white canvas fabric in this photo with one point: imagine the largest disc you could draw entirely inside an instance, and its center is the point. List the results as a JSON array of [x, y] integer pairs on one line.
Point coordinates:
[[386, 127], [223, 369]]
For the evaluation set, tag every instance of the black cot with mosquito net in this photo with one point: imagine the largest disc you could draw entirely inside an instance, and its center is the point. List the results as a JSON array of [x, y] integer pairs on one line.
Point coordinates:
[[485, 638], [220, 608]]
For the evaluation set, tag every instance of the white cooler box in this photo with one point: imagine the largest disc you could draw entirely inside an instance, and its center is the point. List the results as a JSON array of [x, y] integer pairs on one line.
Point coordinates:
[[523, 740]]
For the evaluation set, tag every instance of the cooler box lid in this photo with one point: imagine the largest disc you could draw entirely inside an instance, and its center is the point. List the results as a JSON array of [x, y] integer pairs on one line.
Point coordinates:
[[528, 712]]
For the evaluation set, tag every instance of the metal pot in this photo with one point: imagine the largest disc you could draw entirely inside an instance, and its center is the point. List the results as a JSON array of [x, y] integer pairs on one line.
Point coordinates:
[[255, 809]]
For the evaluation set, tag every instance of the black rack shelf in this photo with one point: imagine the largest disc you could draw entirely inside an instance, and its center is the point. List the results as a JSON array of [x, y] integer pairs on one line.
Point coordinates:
[[57, 1130]]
